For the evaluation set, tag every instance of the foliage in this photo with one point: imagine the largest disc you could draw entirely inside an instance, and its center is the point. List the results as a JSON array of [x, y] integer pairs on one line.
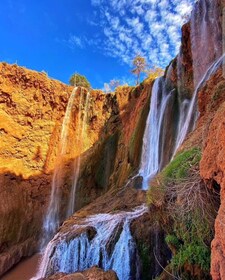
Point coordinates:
[[187, 209], [79, 80], [156, 195], [219, 91], [172, 240], [144, 254], [194, 254], [140, 65]]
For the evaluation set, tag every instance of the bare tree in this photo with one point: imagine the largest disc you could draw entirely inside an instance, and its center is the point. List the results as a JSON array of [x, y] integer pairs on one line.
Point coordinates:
[[140, 65]]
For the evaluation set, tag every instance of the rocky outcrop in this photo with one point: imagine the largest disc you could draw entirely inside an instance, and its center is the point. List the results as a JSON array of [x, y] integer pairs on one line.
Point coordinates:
[[93, 273], [212, 167], [107, 217], [32, 108]]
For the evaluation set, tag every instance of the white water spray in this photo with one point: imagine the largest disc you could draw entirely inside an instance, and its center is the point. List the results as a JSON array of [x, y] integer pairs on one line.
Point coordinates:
[[112, 246]]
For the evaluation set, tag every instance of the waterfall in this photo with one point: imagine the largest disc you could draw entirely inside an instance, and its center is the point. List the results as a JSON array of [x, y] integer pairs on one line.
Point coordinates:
[[151, 158], [192, 114], [53, 217], [156, 140], [79, 136], [111, 246], [205, 27], [206, 37]]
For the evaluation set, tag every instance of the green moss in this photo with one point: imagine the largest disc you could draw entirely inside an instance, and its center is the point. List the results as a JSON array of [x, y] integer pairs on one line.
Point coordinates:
[[179, 168], [187, 223], [156, 195]]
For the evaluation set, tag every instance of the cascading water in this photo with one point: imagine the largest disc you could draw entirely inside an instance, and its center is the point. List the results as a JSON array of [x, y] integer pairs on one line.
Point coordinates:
[[206, 37], [192, 113], [206, 60], [153, 151], [53, 219], [151, 159], [205, 56], [111, 246]]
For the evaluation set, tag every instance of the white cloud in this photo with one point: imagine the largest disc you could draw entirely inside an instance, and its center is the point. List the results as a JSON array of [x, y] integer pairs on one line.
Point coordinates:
[[147, 27], [76, 41]]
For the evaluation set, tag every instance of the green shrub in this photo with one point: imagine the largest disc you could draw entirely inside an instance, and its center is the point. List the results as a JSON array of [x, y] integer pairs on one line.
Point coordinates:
[[79, 80], [193, 254], [187, 212]]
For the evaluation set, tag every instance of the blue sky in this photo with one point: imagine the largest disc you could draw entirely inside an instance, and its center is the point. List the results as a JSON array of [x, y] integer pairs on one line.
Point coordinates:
[[97, 38]]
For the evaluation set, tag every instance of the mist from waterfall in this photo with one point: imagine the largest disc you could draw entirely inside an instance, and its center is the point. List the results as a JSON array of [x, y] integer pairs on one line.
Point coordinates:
[[53, 217], [111, 246]]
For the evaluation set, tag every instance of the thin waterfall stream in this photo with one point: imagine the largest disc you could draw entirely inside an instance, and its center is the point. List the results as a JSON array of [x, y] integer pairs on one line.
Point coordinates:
[[192, 114], [53, 219]]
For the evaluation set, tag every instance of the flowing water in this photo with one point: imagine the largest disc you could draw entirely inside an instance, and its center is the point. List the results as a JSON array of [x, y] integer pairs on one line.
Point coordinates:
[[53, 217], [82, 120], [151, 159], [189, 124], [111, 247], [158, 131]]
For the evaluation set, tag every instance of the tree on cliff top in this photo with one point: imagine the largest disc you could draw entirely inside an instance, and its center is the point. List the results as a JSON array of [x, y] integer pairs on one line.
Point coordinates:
[[140, 65], [79, 80]]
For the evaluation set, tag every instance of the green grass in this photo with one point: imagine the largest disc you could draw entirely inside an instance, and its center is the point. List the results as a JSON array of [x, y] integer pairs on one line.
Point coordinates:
[[179, 168]]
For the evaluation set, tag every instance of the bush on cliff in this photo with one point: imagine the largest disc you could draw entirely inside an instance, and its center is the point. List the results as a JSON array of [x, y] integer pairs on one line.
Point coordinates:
[[79, 80], [186, 208]]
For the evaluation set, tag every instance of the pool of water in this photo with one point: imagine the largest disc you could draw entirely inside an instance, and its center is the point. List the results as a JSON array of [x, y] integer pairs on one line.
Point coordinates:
[[24, 270]]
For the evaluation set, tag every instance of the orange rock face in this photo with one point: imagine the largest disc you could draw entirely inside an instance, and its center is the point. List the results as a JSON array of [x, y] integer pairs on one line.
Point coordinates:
[[32, 109], [212, 166]]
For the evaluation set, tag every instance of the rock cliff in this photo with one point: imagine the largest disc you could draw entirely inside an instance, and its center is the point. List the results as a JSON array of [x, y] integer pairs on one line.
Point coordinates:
[[32, 108]]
